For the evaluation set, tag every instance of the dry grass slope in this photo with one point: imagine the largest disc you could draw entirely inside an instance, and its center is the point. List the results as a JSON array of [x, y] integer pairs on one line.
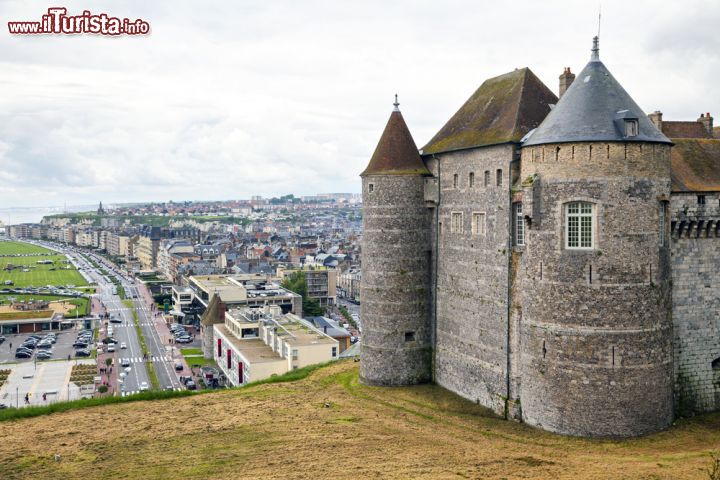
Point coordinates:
[[285, 430]]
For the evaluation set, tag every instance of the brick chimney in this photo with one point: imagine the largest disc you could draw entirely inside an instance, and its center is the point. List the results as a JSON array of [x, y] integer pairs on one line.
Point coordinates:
[[656, 119], [566, 80], [707, 122]]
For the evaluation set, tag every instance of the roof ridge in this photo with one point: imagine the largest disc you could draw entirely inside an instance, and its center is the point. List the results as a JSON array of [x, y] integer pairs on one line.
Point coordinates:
[[520, 97]]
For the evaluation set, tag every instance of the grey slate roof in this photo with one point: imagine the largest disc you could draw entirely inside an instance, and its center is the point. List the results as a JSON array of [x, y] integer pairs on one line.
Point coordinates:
[[594, 109]]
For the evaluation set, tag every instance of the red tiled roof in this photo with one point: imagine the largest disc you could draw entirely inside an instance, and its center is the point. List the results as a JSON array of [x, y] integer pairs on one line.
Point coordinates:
[[684, 130], [502, 110], [396, 152]]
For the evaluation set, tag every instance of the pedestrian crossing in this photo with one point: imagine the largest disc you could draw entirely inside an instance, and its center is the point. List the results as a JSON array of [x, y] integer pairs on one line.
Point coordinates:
[[131, 324], [135, 392], [153, 358]]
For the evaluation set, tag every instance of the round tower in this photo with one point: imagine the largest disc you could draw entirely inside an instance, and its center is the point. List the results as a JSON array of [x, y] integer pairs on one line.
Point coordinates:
[[395, 283], [595, 327]]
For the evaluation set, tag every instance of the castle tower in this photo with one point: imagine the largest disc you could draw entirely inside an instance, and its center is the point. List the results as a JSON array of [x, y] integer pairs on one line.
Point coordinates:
[[594, 292], [395, 284]]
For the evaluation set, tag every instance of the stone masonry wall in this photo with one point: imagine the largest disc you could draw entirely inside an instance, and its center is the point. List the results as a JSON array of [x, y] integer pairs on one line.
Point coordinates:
[[696, 302], [595, 324], [395, 283], [472, 276]]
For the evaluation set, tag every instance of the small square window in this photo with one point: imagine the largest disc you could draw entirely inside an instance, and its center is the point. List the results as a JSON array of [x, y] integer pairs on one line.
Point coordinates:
[[409, 336], [371, 187], [631, 128]]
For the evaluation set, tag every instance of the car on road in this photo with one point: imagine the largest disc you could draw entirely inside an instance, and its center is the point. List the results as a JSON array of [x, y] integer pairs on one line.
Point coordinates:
[[143, 386], [128, 369], [115, 320], [110, 340], [122, 375], [125, 362], [123, 345], [179, 366], [111, 348]]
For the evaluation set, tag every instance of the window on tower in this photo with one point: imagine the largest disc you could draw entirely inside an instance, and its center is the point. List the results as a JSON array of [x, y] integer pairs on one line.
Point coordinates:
[[487, 178], [455, 181], [518, 224], [579, 226], [371, 187], [471, 179], [631, 127], [456, 222]]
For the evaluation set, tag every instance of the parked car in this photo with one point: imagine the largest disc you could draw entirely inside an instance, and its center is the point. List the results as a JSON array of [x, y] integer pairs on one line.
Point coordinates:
[[184, 339], [110, 340], [22, 354], [2, 338], [80, 344], [43, 355], [143, 386], [82, 353], [179, 366], [191, 385]]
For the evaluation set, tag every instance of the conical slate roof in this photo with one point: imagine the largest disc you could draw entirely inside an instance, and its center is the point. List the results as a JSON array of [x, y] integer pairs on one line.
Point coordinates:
[[594, 109], [214, 313], [502, 110], [396, 152]]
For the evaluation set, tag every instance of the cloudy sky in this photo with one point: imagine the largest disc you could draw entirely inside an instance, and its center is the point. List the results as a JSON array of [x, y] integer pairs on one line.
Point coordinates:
[[227, 99]]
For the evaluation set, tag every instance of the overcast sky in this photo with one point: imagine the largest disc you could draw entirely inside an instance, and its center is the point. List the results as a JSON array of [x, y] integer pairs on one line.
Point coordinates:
[[227, 99]]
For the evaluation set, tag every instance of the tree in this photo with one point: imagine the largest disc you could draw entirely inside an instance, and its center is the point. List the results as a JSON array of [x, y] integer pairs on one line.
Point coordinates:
[[297, 283]]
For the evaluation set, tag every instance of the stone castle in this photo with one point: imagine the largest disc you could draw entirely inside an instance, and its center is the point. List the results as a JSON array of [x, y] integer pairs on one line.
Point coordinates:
[[555, 260]]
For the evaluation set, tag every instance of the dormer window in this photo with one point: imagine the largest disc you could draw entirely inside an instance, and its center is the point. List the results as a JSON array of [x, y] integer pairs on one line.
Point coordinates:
[[631, 127]]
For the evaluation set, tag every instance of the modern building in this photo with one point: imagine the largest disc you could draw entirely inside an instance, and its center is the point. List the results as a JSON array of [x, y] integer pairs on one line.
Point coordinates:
[[254, 344], [321, 282]]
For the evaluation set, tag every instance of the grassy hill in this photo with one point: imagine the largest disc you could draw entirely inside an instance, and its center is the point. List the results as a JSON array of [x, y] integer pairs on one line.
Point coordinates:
[[329, 426]]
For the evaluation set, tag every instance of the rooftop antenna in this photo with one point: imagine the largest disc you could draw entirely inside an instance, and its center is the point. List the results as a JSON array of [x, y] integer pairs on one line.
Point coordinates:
[[396, 104], [599, 17]]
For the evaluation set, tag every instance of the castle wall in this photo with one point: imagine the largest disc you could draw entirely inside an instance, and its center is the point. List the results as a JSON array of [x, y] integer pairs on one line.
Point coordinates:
[[472, 276], [595, 326], [395, 283], [696, 302]]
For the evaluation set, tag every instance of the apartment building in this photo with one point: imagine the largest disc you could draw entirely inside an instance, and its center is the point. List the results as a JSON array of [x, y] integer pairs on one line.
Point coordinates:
[[321, 282], [254, 344]]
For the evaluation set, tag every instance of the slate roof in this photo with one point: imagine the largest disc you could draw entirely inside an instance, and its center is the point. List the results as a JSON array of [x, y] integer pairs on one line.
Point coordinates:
[[685, 130], [214, 313], [695, 165], [502, 110], [396, 152], [593, 109]]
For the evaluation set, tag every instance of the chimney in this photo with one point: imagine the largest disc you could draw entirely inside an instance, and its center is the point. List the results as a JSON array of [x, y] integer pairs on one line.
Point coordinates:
[[566, 80], [656, 119], [707, 122]]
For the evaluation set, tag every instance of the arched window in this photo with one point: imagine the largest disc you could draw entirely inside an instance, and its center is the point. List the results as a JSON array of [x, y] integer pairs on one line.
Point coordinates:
[[579, 226]]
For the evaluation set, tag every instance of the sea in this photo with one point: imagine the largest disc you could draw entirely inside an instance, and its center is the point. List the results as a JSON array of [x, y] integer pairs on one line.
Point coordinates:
[[17, 215]]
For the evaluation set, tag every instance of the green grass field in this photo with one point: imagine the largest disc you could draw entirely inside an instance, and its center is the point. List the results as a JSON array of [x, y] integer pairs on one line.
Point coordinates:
[[38, 275], [80, 303], [9, 248]]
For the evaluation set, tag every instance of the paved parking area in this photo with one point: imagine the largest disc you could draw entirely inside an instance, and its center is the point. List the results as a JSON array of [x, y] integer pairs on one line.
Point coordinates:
[[49, 378], [62, 348]]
